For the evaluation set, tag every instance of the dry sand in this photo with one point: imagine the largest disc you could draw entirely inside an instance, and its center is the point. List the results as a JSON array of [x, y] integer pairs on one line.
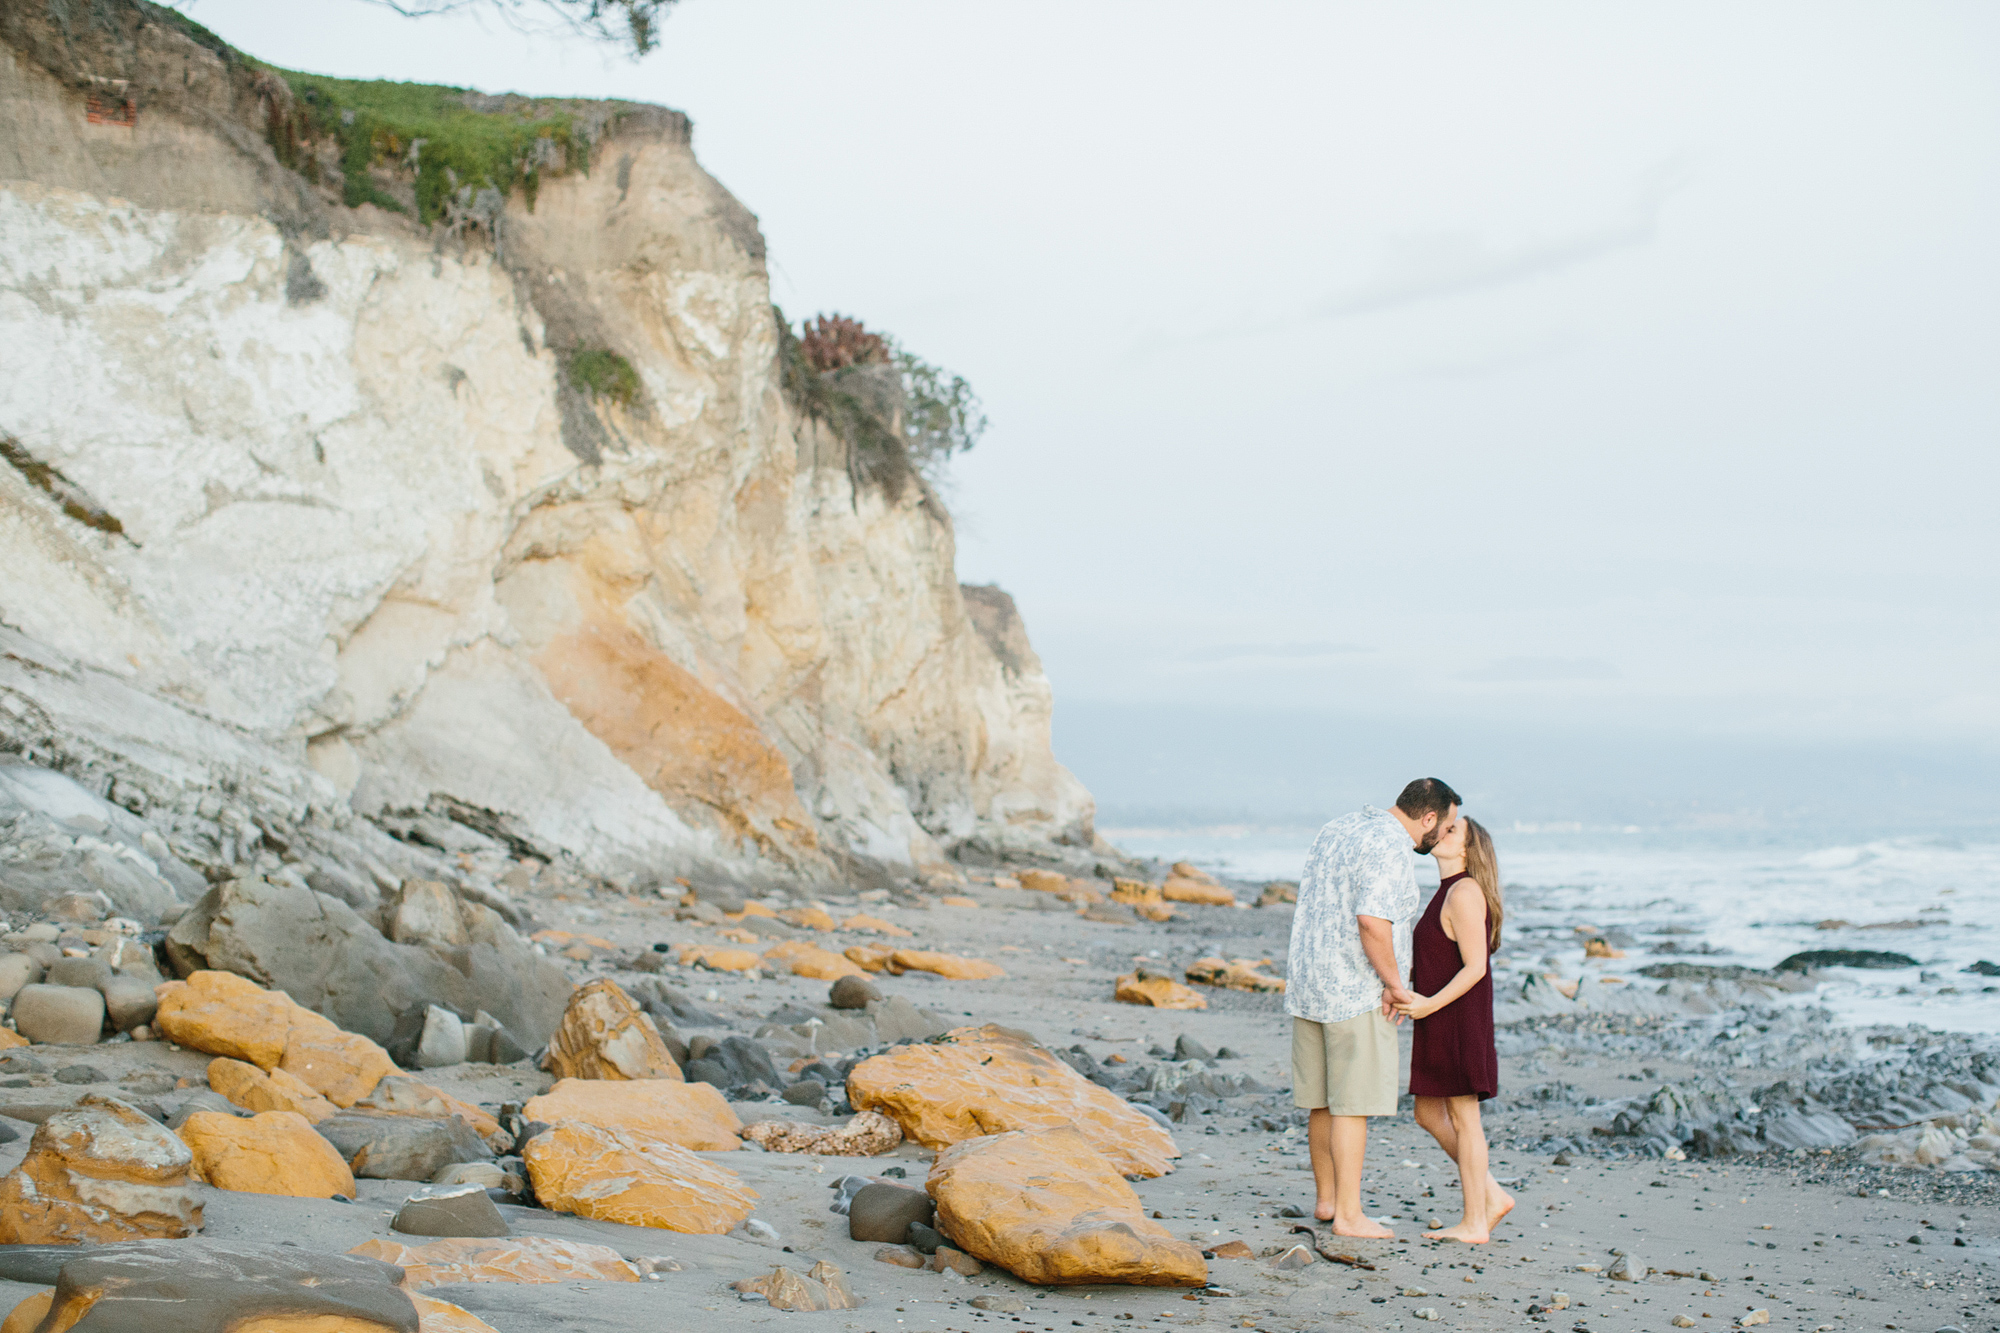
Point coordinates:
[[1750, 1234]]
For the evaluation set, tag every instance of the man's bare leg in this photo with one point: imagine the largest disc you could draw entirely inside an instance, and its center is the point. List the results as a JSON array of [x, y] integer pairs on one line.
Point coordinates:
[[1339, 1143], [1434, 1114]]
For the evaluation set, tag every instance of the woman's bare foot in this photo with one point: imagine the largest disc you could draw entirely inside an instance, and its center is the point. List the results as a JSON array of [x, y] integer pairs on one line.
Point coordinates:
[[1363, 1226], [1504, 1206], [1464, 1231], [1323, 1212]]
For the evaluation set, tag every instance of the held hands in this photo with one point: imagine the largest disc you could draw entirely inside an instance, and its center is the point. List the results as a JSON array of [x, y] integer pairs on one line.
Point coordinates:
[[1395, 1002], [1413, 1006]]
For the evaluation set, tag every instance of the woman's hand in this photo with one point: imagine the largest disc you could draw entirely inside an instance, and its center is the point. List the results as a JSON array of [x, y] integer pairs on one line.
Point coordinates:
[[1418, 1006]]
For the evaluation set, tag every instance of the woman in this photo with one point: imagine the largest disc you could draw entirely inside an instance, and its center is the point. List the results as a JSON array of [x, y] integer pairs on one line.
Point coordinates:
[[1453, 1066]]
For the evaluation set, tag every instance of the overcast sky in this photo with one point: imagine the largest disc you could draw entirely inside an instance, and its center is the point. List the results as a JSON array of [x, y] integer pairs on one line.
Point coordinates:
[[1629, 366]]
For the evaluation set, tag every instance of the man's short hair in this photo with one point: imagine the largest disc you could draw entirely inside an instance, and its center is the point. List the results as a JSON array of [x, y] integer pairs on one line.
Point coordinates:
[[1427, 796]]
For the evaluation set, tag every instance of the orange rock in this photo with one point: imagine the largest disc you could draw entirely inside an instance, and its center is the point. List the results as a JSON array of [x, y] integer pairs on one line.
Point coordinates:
[[1231, 1249], [1234, 974], [1278, 891], [1154, 911], [958, 900], [737, 936], [824, 1288], [604, 1035], [565, 937], [1601, 948], [273, 1152], [1157, 990], [506, 1259], [444, 1317], [1050, 1209], [694, 1115], [875, 925], [220, 1013], [1044, 881], [28, 1315], [718, 959], [944, 965], [808, 918], [870, 957], [1183, 889], [254, 1090], [976, 1081], [9, 1039], [751, 907], [1084, 893], [1131, 891], [343, 1067], [807, 960], [610, 1175], [104, 1171]]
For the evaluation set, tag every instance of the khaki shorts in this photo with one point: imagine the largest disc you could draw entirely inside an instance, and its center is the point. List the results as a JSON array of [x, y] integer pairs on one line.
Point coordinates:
[[1349, 1068]]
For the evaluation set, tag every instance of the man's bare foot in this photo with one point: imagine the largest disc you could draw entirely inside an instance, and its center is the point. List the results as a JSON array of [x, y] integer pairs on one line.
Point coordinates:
[[1323, 1212], [1364, 1227], [1464, 1231], [1505, 1206]]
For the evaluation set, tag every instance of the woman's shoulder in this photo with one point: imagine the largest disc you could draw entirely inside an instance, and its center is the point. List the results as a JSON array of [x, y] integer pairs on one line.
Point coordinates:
[[1464, 894]]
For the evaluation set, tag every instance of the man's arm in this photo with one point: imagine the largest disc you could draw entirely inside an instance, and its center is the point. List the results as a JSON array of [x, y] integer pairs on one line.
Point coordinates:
[[1378, 941]]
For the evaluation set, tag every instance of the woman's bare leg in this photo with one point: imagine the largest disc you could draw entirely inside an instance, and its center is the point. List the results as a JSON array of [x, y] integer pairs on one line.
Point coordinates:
[[1475, 1227], [1434, 1114]]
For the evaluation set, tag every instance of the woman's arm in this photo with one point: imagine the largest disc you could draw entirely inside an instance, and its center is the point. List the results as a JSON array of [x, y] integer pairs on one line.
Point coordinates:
[[1465, 920]]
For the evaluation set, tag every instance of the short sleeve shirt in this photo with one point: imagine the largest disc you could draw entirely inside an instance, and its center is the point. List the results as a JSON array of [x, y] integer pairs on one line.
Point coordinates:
[[1360, 865]]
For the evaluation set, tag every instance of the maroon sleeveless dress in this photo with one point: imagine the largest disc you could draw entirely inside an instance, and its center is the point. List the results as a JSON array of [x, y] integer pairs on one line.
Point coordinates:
[[1451, 1052]]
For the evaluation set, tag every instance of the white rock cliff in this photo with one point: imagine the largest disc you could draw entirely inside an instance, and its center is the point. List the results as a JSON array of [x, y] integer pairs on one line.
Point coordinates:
[[300, 507]]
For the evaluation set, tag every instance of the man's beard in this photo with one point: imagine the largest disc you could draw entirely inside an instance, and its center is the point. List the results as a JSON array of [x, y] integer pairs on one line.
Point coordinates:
[[1430, 841]]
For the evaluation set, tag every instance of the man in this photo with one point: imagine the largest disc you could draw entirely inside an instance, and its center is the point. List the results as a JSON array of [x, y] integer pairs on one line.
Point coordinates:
[[1349, 967]]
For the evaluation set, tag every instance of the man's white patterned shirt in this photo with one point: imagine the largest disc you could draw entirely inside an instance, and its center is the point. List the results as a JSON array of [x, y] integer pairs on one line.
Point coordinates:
[[1360, 865]]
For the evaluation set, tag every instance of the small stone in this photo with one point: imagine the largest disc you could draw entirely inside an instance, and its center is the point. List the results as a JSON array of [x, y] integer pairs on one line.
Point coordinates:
[[1291, 1210], [902, 1256], [997, 1304], [947, 1260], [1560, 1159], [1229, 1249], [450, 1210], [80, 1074], [759, 1229], [1626, 1268], [923, 1238], [59, 1015], [90, 973], [1682, 1321], [1187, 1048], [1293, 1259], [486, 1175], [806, 1092], [1426, 1313], [824, 1288], [17, 970], [130, 1002], [1414, 1292], [885, 1212], [853, 993], [1754, 1318], [201, 1099], [402, 1147]]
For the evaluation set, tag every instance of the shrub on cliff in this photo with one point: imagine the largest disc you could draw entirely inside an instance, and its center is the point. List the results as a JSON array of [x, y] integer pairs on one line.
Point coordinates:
[[898, 414]]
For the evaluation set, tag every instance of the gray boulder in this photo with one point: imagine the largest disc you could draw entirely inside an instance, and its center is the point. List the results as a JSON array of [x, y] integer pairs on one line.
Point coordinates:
[[17, 970], [731, 1063], [402, 1147], [450, 1210], [91, 973], [328, 958], [898, 1021], [61, 1015], [853, 993]]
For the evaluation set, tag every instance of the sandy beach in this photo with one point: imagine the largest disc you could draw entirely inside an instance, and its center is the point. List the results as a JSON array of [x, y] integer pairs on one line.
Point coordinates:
[[1815, 1239]]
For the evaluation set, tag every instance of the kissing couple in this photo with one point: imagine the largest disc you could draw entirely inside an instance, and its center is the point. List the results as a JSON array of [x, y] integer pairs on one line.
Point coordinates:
[[1362, 960]]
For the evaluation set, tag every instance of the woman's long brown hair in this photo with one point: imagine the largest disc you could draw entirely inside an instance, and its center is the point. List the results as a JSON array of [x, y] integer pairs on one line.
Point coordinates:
[[1484, 867]]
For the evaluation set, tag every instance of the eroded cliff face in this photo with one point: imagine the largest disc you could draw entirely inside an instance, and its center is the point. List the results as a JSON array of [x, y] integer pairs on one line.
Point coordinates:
[[305, 490]]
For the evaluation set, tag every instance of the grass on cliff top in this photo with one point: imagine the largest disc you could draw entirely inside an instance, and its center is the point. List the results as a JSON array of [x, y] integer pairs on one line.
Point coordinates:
[[456, 151]]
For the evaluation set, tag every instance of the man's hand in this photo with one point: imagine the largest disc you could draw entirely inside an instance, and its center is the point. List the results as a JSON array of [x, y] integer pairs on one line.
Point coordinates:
[[1396, 1002]]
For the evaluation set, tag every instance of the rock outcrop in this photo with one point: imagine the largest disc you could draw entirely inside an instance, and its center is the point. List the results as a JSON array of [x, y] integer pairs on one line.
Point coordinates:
[[272, 1152], [695, 1116], [981, 1081], [328, 559], [1050, 1209], [604, 1035]]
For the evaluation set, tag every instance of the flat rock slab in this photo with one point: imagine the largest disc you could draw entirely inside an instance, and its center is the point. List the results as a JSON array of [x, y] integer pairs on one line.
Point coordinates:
[[450, 1210], [195, 1287]]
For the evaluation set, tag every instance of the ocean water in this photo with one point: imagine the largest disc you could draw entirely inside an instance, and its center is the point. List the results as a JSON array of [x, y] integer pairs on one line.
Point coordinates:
[[1716, 896]]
